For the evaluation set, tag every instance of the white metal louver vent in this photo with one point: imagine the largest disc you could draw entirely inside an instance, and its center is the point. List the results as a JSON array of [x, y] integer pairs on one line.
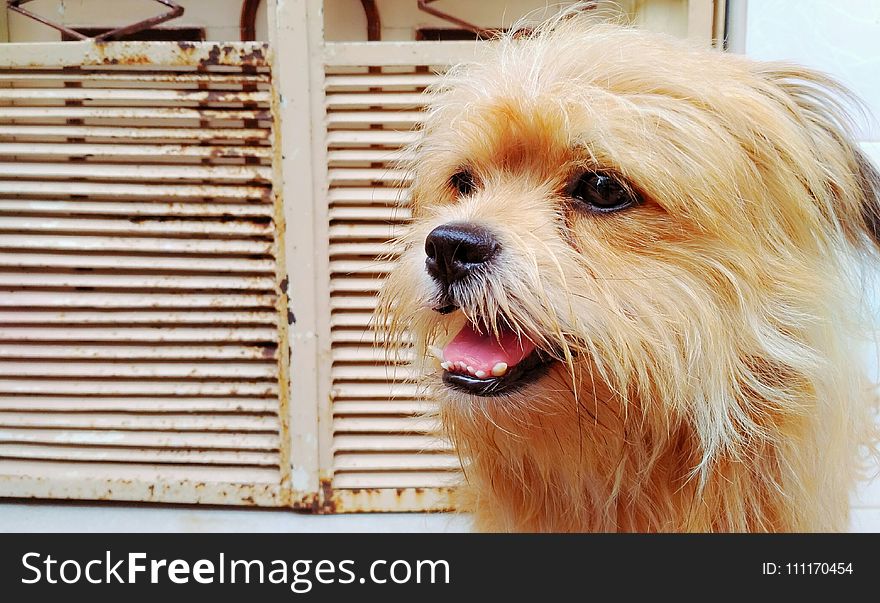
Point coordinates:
[[379, 439], [139, 306], [387, 454]]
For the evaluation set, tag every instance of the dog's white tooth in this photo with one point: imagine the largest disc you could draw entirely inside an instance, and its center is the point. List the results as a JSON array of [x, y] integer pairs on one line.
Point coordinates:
[[470, 369], [499, 369], [444, 366], [480, 374]]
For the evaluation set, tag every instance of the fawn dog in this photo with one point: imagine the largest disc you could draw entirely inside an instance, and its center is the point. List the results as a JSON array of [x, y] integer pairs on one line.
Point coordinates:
[[634, 262]]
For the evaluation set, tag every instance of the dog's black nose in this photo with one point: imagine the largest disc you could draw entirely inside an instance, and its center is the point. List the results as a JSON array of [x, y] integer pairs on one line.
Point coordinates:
[[456, 249]]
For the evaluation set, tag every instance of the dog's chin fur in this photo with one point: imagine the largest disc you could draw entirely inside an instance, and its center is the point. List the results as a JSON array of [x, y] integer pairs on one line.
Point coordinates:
[[707, 375]]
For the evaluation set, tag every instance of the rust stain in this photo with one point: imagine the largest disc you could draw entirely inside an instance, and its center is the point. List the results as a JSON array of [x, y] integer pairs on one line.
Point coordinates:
[[328, 501], [322, 502], [307, 504], [213, 57], [110, 55], [256, 56]]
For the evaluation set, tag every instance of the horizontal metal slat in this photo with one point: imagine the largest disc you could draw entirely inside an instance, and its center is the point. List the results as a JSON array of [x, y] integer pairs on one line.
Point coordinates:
[[204, 484], [149, 404], [356, 267], [390, 425], [127, 54], [396, 462], [407, 479], [352, 335], [144, 300], [140, 334], [380, 232], [403, 120], [344, 176], [361, 138], [396, 100], [368, 353], [136, 173], [137, 455], [140, 422], [134, 209], [138, 227], [386, 81], [159, 388], [132, 151], [361, 336], [353, 157], [107, 190], [381, 372], [121, 263], [75, 351], [137, 95], [355, 285], [343, 248], [353, 319], [152, 439], [71, 241], [134, 133], [132, 113], [141, 369], [388, 443], [373, 213], [379, 391], [136, 281], [148, 77], [49, 317], [367, 195], [382, 407], [353, 302]]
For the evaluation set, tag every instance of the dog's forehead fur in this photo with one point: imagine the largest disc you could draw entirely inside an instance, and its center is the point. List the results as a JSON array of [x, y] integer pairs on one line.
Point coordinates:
[[689, 127], [586, 99]]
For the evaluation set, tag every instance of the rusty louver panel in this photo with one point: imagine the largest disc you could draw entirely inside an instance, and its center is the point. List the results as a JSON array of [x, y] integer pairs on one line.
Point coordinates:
[[386, 446], [139, 307]]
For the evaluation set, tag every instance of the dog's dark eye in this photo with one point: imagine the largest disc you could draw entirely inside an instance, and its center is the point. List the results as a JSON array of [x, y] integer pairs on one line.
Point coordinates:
[[602, 192], [463, 183]]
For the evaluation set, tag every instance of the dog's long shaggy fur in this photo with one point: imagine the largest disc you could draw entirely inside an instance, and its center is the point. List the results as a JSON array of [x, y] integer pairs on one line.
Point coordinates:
[[707, 378]]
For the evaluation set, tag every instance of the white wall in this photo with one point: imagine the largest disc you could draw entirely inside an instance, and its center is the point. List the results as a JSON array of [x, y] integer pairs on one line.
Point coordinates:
[[841, 38]]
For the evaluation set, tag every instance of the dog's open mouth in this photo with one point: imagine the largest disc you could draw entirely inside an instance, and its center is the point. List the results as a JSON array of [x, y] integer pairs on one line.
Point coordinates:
[[483, 364]]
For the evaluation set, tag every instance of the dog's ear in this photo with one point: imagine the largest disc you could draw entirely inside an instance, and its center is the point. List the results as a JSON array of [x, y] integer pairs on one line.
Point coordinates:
[[822, 106], [869, 183]]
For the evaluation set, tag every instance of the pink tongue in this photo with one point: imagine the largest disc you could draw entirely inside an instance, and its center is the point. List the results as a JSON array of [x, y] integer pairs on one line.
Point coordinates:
[[483, 351]]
